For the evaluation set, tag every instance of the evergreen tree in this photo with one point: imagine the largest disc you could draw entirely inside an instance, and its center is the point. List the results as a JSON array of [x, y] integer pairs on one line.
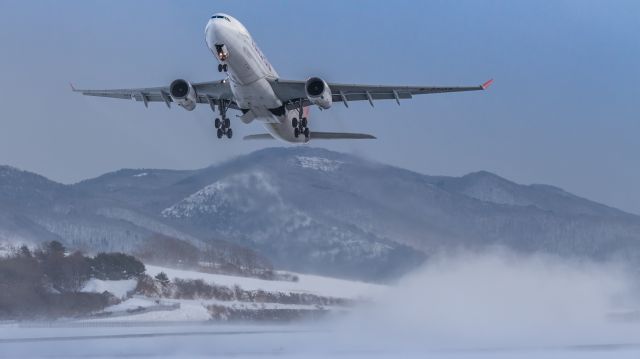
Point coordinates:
[[162, 278], [55, 248], [116, 266]]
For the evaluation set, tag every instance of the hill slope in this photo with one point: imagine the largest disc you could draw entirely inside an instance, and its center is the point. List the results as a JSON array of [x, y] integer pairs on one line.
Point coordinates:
[[317, 211]]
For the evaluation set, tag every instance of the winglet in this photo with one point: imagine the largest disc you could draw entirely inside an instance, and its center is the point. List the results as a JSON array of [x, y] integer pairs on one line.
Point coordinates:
[[487, 84], [72, 87]]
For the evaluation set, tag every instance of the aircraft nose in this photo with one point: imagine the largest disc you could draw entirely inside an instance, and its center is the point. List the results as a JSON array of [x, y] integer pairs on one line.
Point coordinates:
[[210, 28], [210, 33], [214, 31]]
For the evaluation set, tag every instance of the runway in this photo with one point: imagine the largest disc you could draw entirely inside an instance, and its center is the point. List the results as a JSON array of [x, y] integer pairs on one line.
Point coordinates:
[[144, 335], [251, 341]]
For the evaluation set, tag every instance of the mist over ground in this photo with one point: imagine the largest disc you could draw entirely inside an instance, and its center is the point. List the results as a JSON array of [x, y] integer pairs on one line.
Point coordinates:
[[498, 300]]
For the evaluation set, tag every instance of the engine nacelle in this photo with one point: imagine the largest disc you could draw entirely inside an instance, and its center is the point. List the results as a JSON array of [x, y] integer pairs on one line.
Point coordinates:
[[183, 94], [318, 92]]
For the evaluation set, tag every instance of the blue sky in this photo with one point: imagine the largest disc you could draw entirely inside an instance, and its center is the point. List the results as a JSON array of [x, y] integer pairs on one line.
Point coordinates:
[[564, 110]]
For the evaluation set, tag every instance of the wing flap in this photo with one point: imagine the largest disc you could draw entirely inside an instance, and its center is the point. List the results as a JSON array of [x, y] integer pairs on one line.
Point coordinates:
[[362, 96], [106, 94]]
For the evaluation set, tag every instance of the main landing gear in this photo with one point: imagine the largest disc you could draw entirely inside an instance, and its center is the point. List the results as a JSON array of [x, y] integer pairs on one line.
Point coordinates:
[[222, 68], [223, 124], [300, 126]]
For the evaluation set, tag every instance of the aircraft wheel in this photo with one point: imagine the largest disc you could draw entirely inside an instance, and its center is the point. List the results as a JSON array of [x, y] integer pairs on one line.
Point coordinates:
[[220, 133], [227, 123], [306, 132], [224, 68], [216, 123], [294, 122], [220, 67], [229, 133], [303, 122], [296, 132]]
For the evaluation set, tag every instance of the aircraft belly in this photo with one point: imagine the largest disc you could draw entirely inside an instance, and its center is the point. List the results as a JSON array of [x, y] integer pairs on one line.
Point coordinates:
[[282, 130], [264, 115], [248, 78], [256, 95]]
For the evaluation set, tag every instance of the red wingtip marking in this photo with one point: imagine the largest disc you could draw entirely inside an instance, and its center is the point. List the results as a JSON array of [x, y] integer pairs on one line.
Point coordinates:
[[487, 84]]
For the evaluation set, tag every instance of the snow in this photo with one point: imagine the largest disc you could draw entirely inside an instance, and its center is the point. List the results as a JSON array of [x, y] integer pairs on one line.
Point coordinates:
[[226, 192], [494, 195], [455, 307], [118, 288], [160, 310], [318, 163], [490, 188], [138, 302], [235, 304], [143, 174], [312, 284], [189, 311], [131, 304]]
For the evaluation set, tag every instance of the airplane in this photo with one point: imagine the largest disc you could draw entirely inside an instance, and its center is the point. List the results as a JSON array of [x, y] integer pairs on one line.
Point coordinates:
[[253, 87]]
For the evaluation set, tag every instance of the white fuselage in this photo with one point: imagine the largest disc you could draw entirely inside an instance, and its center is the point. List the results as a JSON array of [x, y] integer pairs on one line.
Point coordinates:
[[249, 73]]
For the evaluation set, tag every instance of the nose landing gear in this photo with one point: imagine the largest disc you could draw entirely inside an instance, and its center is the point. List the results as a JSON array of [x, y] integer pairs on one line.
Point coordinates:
[[222, 54]]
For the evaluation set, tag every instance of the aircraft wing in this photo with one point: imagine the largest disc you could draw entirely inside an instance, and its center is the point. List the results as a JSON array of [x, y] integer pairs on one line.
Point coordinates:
[[292, 91], [207, 93]]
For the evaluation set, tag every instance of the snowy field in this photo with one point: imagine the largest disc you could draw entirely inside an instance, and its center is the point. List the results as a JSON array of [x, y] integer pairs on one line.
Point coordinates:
[[311, 284], [496, 305], [144, 309]]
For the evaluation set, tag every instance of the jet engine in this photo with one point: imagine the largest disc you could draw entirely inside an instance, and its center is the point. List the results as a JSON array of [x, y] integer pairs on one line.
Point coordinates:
[[183, 94], [318, 92]]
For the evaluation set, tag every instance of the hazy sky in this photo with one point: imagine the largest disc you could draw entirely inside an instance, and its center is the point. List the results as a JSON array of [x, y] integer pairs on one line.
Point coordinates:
[[564, 110]]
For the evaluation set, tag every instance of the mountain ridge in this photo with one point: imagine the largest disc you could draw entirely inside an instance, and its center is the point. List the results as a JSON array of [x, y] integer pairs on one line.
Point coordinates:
[[319, 211]]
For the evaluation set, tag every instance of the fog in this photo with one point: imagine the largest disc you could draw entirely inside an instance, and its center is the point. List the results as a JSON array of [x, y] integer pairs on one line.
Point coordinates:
[[499, 300]]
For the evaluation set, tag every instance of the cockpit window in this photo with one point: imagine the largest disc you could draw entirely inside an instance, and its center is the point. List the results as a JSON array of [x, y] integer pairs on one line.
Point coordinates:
[[220, 17]]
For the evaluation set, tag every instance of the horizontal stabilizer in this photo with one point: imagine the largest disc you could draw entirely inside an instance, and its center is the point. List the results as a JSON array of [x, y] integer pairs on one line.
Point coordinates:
[[260, 136], [319, 136], [340, 136]]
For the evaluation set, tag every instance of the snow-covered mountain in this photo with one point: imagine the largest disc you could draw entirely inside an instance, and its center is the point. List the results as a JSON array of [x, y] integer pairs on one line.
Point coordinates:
[[313, 210]]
